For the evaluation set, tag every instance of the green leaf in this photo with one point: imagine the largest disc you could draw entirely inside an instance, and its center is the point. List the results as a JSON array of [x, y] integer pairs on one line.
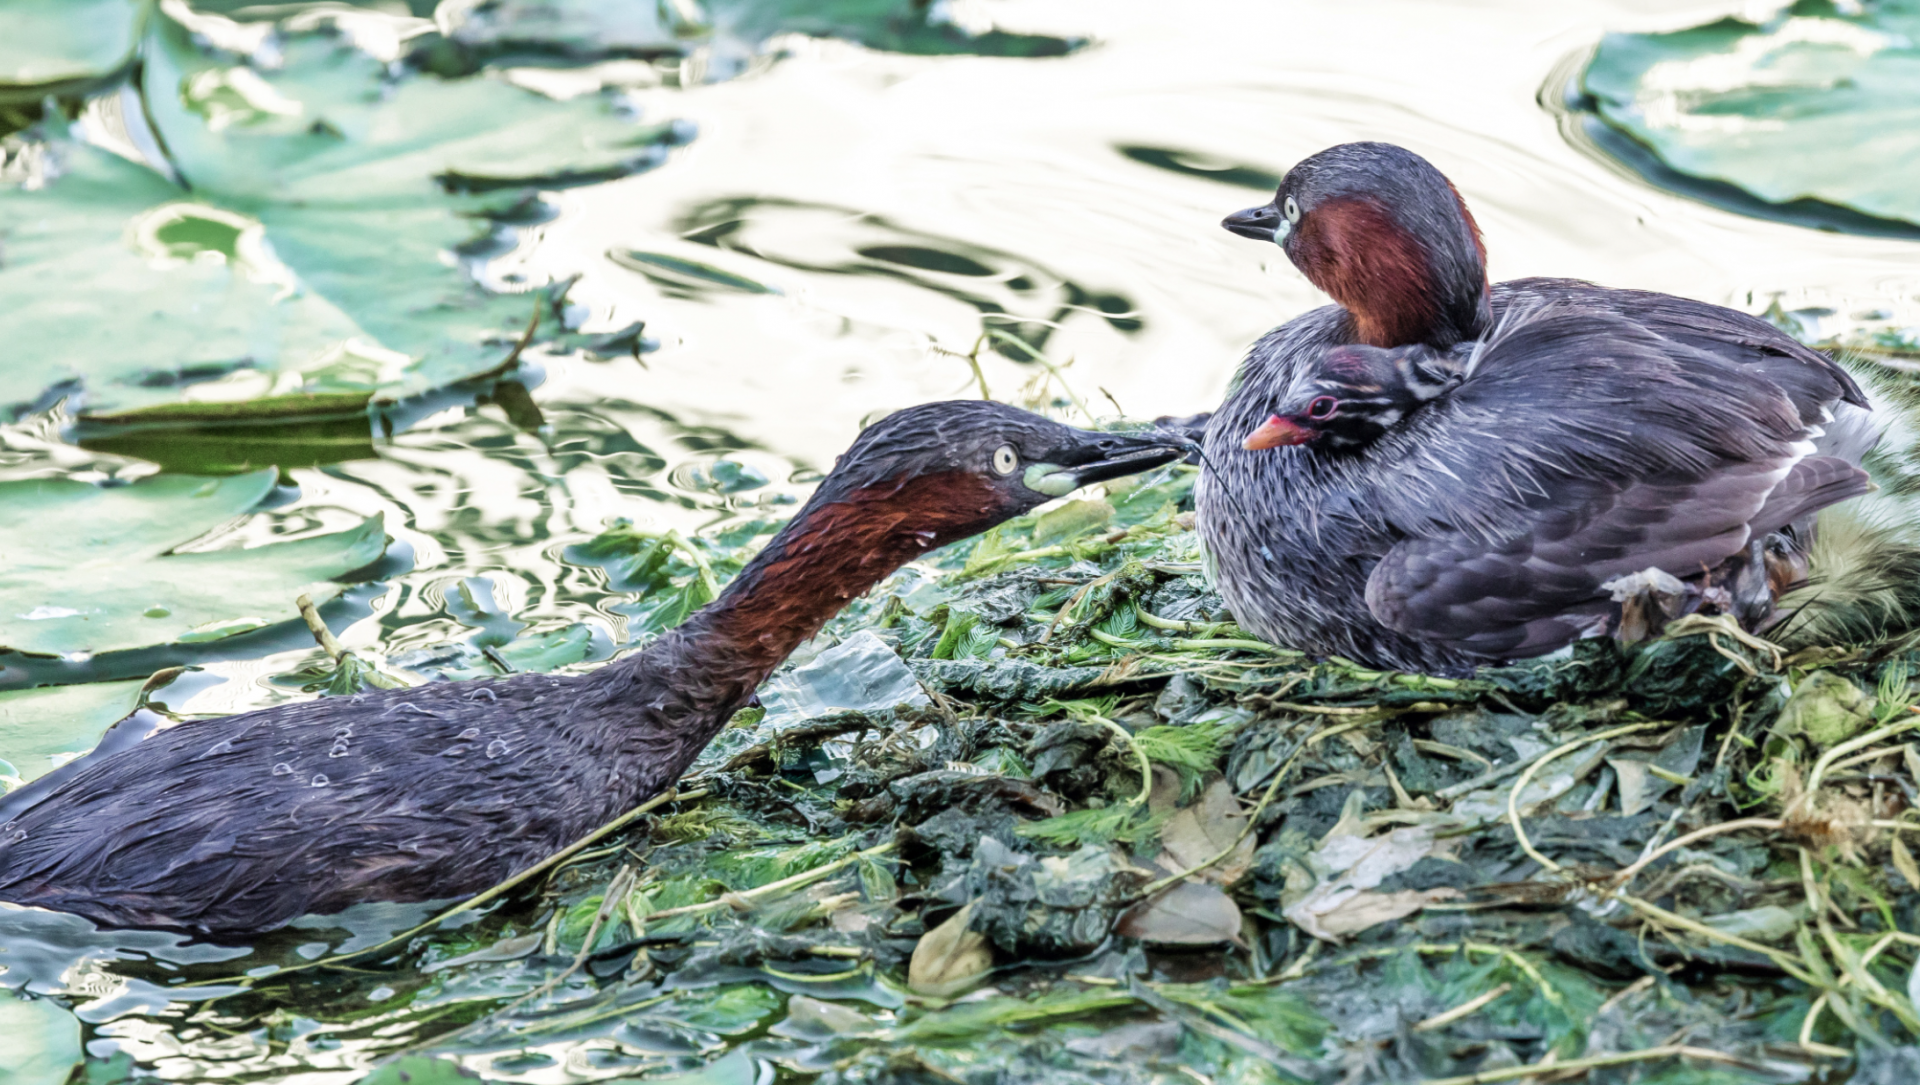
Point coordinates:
[[96, 569], [56, 41], [42, 1041], [95, 299], [1123, 822], [596, 27], [1787, 110], [301, 430], [41, 729], [339, 209]]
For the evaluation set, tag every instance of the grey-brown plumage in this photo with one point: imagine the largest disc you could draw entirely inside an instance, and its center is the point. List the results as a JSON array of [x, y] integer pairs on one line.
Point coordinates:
[[1582, 434], [242, 823]]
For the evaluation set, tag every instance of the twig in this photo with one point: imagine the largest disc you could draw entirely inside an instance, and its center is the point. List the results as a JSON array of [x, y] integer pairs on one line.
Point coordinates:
[[1719, 625], [1224, 644], [699, 560], [1850, 963], [1465, 1009], [1513, 796], [1827, 759], [972, 358], [1173, 625], [616, 893], [1624, 876], [1786, 963], [1590, 1062], [1027, 348], [328, 642]]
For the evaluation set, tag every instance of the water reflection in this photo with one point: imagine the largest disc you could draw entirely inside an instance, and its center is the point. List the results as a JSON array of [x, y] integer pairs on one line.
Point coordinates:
[[1011, 292]]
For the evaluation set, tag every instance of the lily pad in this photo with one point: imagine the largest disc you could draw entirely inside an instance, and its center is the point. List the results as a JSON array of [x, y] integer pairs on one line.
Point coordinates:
[[42, 729], [592, 28], [234, 438], [95, 569], [57, 41], [324, 226], [88, 306], [43, 1041], [1786, 110]]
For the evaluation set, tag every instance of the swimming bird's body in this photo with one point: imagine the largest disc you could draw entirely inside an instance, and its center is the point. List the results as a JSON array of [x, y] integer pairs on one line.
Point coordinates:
[[245, 822], [1559, 435]]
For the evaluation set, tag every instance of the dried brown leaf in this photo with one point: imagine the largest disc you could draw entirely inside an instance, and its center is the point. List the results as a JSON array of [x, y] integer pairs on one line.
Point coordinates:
[[1903, 862], [949, 958], [1201, 831], [1370, 909], [1184, 914]]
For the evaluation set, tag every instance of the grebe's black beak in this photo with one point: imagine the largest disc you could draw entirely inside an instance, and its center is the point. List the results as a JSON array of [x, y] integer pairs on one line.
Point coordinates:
[[1089, 457], [1259, 223]]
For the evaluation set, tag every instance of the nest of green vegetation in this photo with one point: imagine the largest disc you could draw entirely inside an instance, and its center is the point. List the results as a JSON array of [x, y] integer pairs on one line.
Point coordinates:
[[1116, 840]]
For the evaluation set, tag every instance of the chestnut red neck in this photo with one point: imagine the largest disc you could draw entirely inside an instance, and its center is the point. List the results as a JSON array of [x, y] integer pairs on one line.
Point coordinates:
[[837, 549], [687, 684], [1401, 287]]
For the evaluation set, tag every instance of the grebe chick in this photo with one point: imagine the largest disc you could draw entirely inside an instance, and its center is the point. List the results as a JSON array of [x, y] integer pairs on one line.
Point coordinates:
[[1591, 434], [242, 823]]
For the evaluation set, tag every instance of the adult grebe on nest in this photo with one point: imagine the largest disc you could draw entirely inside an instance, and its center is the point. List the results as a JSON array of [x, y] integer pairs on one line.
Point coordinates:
[[1437, 473], [242, 823]]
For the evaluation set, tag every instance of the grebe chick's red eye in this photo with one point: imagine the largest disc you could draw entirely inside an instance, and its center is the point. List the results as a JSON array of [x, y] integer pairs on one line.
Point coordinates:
[[199, 828], [1322, 408]]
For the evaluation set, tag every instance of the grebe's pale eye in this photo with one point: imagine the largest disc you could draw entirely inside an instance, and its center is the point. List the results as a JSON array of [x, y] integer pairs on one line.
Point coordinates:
[[1323, 408], [1291, 210], [1005, 459]]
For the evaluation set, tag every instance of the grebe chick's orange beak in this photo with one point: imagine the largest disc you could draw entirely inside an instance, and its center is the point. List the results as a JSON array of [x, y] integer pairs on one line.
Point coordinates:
[[1276, 432]]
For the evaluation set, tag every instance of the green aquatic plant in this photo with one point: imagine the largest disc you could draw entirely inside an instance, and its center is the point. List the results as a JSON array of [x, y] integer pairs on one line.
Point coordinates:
[[1784, 109]]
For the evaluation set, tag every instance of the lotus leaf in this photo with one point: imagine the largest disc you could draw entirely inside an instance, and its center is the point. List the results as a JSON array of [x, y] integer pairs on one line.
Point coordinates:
[[41, 729], [1787, 110], [54, 41], [320, 218], [43, 1041], [588, 28], [96, 569]]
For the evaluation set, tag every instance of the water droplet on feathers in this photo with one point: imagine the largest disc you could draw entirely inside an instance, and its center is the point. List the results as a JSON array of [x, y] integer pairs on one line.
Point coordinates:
[[497, 748], [283, 769], [339, 750], [469, 733], [320, 779]]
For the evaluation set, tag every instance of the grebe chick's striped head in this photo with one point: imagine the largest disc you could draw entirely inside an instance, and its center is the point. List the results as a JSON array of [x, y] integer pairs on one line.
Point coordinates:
[[1355, 394]]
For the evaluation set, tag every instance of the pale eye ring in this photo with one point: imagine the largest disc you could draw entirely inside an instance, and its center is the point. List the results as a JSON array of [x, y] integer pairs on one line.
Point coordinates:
[[1291, 210], [1322, 408], [1005, 459]]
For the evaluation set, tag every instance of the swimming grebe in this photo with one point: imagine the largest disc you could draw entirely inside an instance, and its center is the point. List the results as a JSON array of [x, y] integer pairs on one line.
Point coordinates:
[[1464, 500], [242, 823]]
